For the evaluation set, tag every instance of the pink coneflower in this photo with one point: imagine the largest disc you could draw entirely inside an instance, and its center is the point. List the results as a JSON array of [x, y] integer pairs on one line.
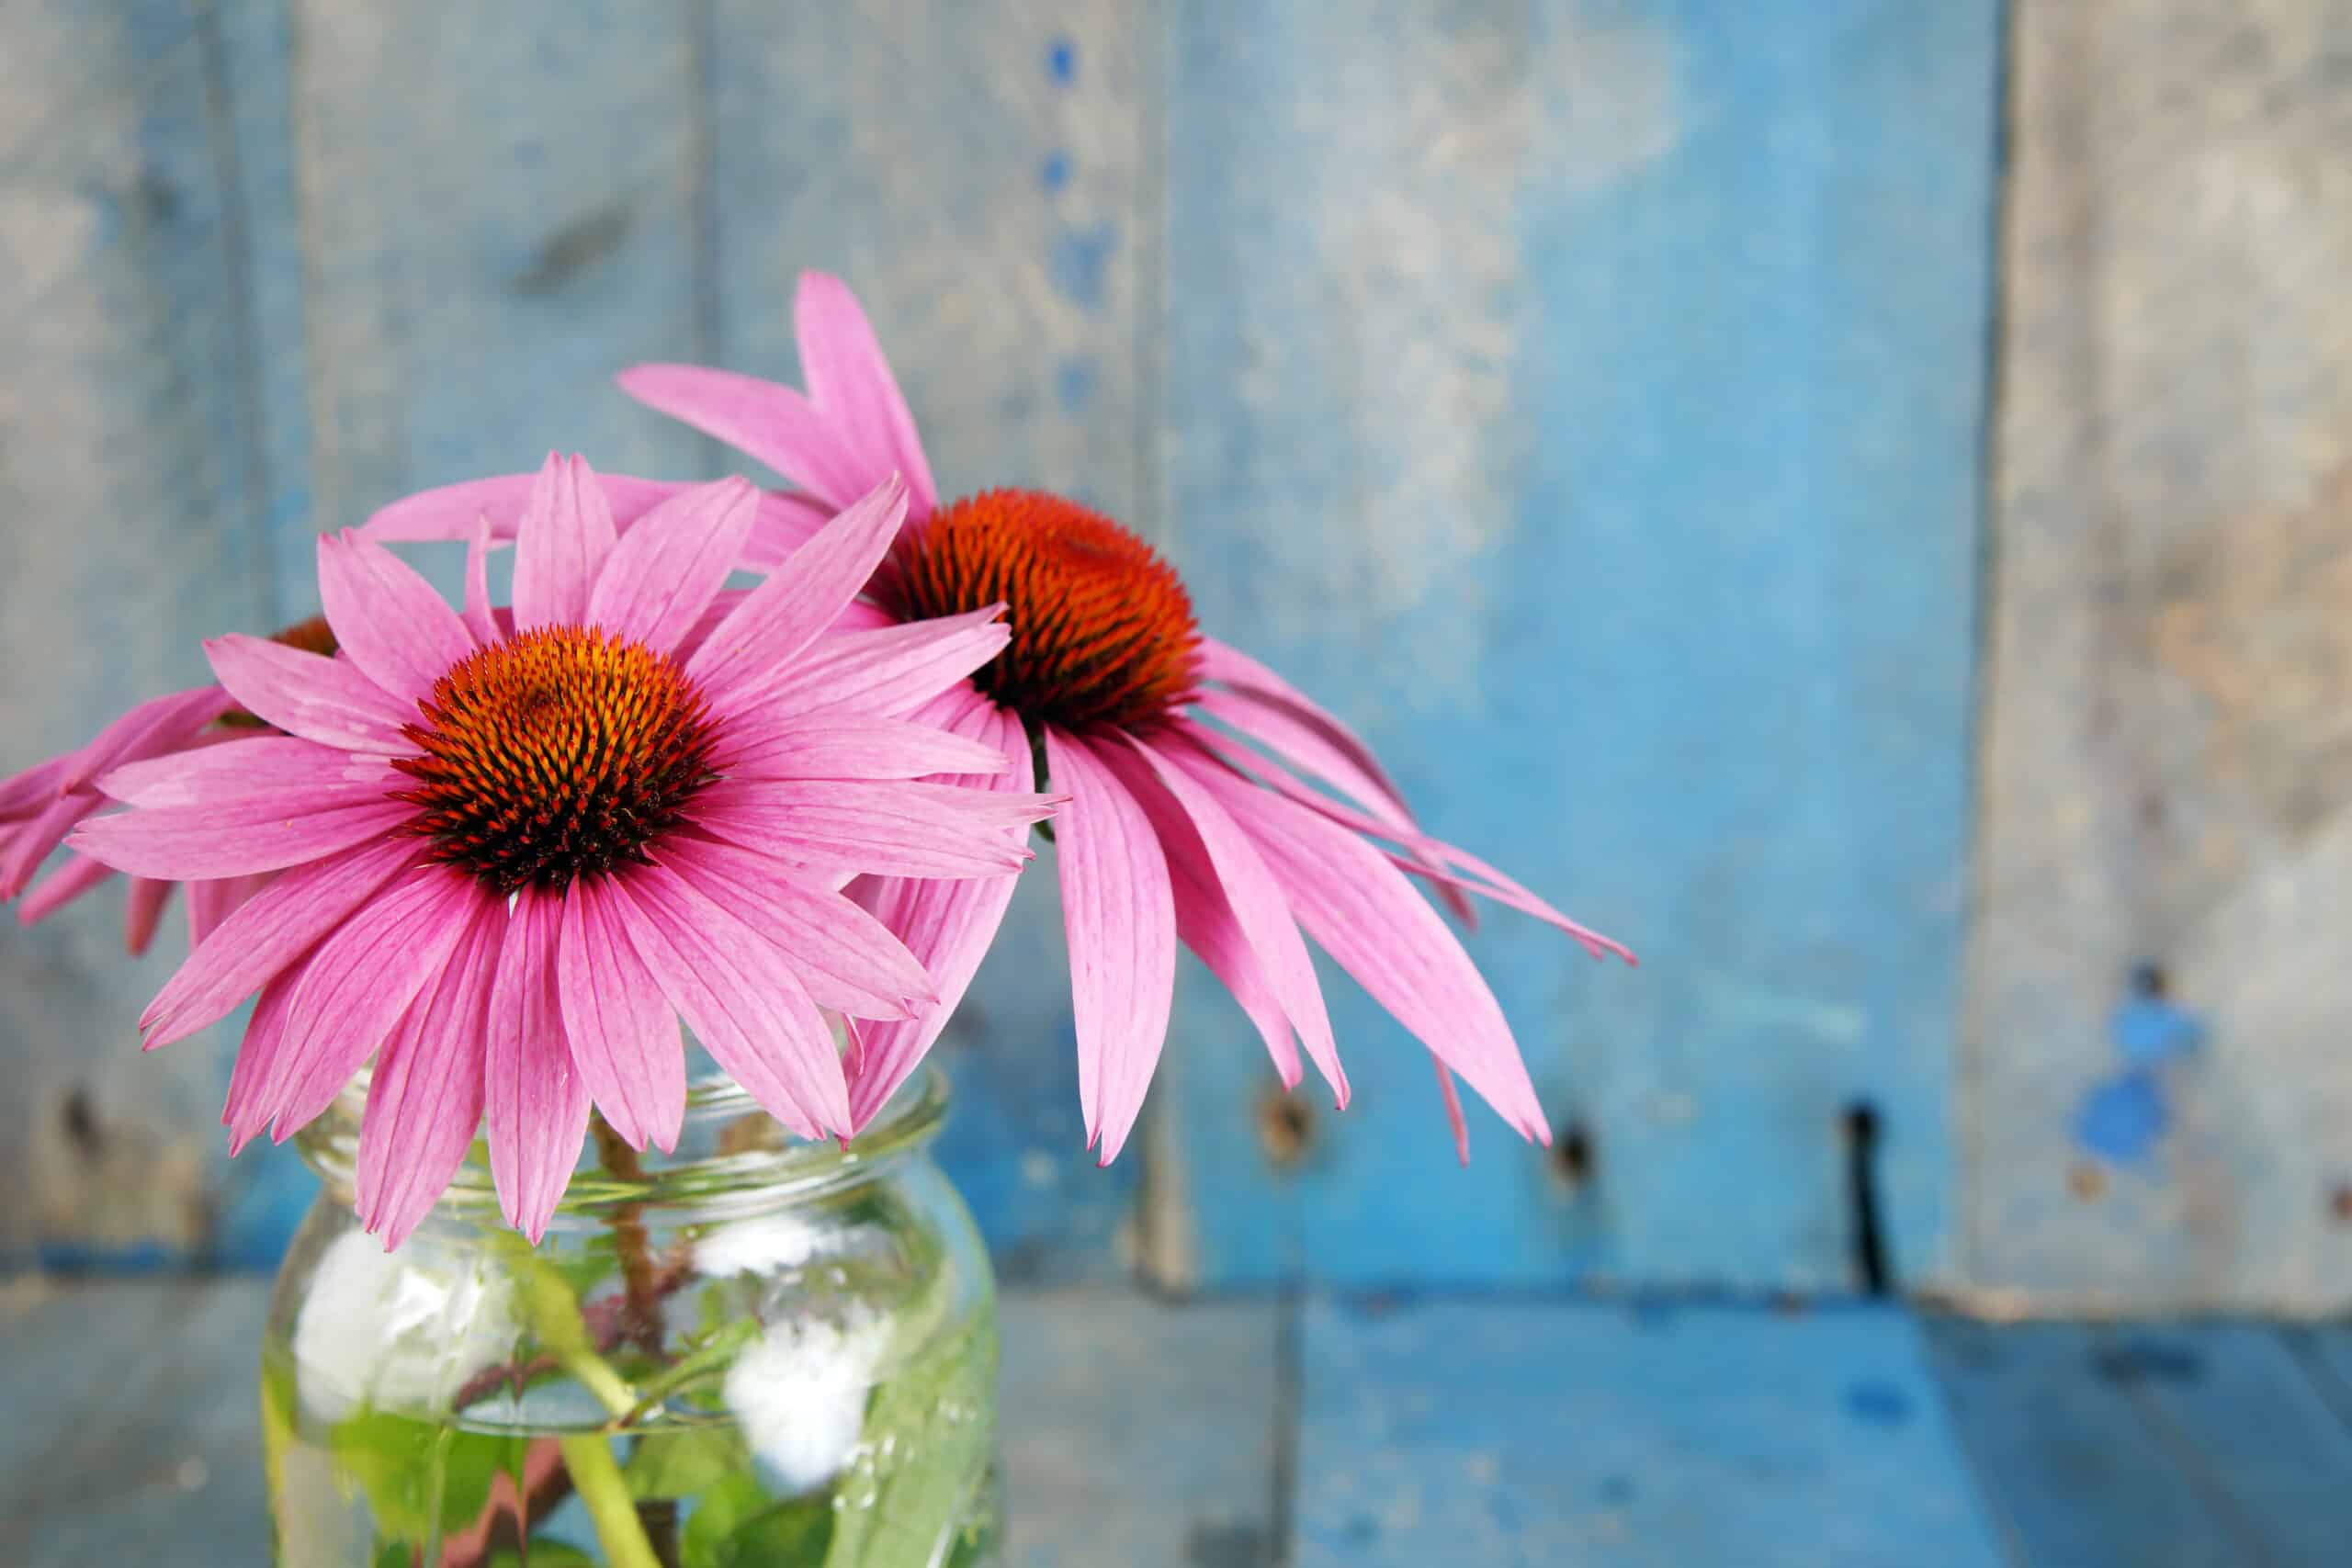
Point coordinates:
[[1173, 831], [512, 851]]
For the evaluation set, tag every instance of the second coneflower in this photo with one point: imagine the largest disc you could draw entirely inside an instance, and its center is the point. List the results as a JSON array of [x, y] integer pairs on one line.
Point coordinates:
[[1173, 830], [511, 850]]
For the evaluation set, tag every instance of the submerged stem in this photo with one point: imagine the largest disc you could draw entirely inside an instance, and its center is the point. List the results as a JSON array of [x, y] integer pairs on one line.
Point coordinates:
[[630, 1244], [596, 1477]]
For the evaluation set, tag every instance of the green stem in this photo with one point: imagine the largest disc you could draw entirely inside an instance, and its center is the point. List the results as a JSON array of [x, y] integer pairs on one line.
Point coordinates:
[[630, 1244], [596, 1477]]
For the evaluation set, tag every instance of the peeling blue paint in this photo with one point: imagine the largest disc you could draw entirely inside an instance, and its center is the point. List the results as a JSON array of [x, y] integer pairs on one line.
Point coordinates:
[[1061, 61], [2121, 1118], [1074, 383], [1054, 172], [1077, 262], [2148, 1030], [1878, 1404]]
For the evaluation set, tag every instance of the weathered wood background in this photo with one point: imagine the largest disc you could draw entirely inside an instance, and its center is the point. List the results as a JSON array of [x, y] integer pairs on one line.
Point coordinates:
[[1844, 494]]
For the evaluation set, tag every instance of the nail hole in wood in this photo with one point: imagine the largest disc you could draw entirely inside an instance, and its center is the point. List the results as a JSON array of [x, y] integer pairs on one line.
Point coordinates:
[[1574, 1156], [2339, 1203], [1285, 1127], [80, 1120], [1861, 1129]]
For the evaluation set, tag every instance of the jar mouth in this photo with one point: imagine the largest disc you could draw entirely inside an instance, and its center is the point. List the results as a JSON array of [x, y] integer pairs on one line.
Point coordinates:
[[731, 1156]]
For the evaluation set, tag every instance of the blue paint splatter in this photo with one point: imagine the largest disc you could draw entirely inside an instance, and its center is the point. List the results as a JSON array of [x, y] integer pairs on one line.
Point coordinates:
[[1616, 1490], [1054, 172], [1078, 259], [1879, 1404], [2121, 1118], [2148, 1030], [1061, 61], [1074, 383]]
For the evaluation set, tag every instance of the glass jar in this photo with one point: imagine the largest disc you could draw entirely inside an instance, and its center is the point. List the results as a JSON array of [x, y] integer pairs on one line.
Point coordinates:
[[755, 1351]]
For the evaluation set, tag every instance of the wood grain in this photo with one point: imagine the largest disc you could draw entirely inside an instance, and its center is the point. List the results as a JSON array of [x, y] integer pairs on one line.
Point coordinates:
[[1586, 400], [2165, 766]]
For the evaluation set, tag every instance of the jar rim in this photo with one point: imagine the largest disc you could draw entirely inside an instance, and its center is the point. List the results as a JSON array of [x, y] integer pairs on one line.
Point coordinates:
[[766, 1167]]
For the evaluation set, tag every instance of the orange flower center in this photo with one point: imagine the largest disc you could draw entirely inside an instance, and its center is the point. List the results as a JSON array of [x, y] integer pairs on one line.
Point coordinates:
[[312, 637], [559, 753], [1103, 630]]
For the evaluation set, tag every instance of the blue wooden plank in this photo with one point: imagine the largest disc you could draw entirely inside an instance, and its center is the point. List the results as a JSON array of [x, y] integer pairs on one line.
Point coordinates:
[[1552, 1432], [2081, 1473], [1587, 401], [2236, 1396], [129, 490], [978, 173]]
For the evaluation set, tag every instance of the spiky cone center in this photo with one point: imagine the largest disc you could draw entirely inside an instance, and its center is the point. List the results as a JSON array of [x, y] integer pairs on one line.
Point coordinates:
[[1103, 635], [559, 753], [313, 636]]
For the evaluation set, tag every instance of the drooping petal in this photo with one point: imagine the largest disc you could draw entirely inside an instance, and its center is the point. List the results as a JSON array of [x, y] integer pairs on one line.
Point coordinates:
[[850, 382], [623, 1035], [284, 766], [1362, 911], [1227, 891], [60, 887], [424, 1096], [153, 726], [320, 699], [847, 746], [1430, 858], [209, 902], [26, 792], [388, 620], [1453, 1117], [741, 1000], [766, 420], [33, 842], [232, 838], [1121, 914], [536, 1099], [888, 673], [947, 925], [878, 828], [846, 959], [143, 910], [254, 1082], [561, 545], [746, 652], [362, 978], [265, 934], [784, 522], [665, 572]]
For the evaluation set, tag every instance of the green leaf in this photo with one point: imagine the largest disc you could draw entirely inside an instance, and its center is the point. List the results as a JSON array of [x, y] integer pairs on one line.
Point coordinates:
[[683, 1464], [420, 1477], [544, 1554], [737, 1525], [921, 1491]]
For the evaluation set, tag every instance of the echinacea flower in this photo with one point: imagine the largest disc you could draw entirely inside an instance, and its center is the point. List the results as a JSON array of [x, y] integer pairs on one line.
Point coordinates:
[[1173, 831], [513, 849]]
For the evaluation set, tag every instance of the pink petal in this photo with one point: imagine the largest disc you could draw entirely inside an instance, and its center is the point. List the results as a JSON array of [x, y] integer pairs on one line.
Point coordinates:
[[875, 829], [284, 766], [254, 1082], [143, 910], [561, 545], [22, 793], [363, 979], [847, 960], [741, 1000], [838, 745], [1218, 860], [798, 600], [1454, 1118], [781, 524], [665, 572], [233, 837], [947, 925], [208, 903], [764, 421], [883, 674], [1121, 914], [60, 887], [479, 619], [850, 382], [153, 726], [31, 844], [1367, 917], [264, 935], [1277, 714], [424, 1097], [386, 619], [623, 1036], [536, 1099], [1432, 856], [325, 700]]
